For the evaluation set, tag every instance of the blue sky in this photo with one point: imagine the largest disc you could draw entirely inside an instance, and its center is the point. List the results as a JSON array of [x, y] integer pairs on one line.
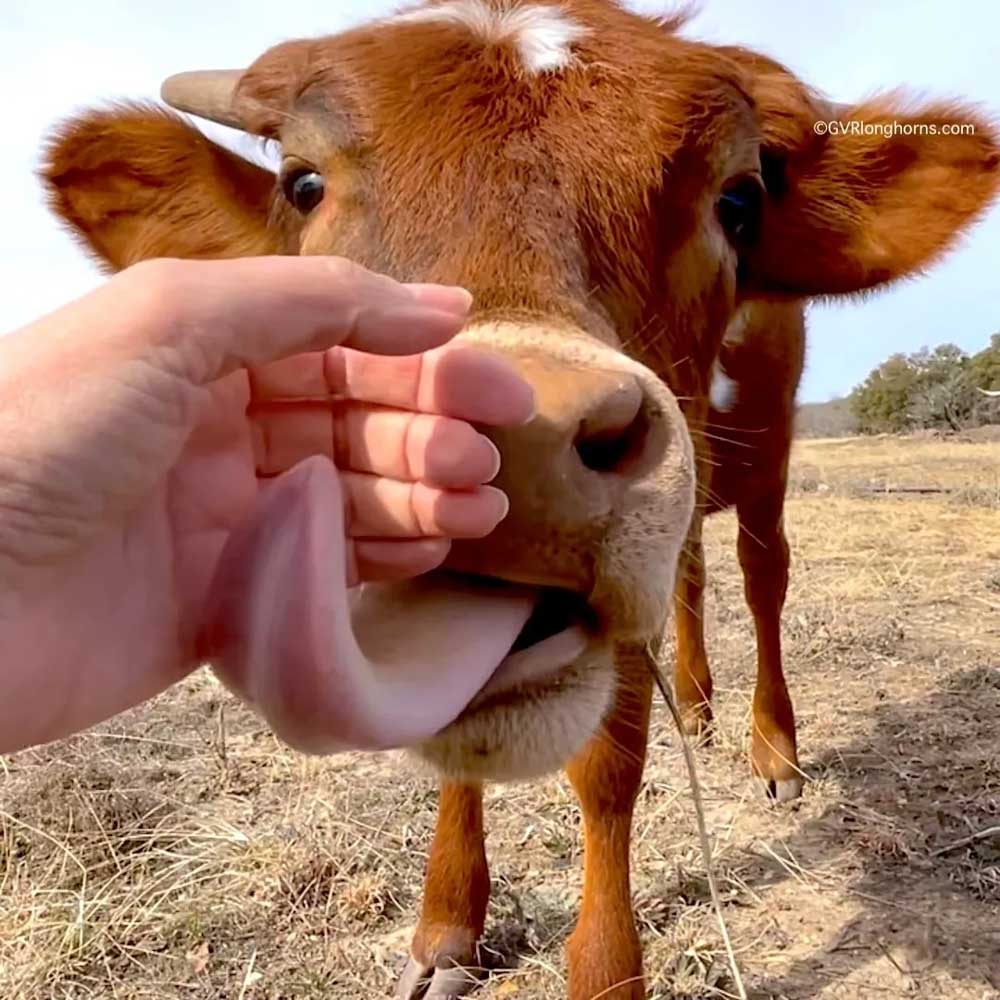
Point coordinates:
[[60, 55]]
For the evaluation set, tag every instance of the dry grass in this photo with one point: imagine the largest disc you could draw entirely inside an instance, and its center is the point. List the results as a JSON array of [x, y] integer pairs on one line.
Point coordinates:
[[180, 852], [967, 466]]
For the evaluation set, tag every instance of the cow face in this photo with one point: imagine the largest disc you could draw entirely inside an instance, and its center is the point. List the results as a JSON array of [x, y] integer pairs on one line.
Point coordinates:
[[611, 193]]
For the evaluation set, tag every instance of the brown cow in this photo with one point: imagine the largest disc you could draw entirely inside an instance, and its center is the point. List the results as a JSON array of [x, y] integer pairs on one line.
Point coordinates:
[[640, 218]]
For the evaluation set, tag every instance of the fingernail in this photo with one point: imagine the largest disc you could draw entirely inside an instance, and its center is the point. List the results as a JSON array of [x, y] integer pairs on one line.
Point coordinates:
[[519, 399], [496, 458], [448, 298], [502, 501], [530, 403]]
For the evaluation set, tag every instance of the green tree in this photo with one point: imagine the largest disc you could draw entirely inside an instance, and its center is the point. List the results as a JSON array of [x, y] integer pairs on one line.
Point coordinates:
[[943, 394], [881, 403], [985, 366], [984, 372], [936, 388]]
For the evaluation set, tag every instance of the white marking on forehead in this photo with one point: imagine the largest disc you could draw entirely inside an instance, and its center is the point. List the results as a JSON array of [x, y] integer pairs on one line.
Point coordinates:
[[723, 392], [544, 35]]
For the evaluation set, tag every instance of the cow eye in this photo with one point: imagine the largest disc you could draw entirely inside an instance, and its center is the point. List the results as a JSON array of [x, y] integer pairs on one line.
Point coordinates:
[[740, 208], [304, 189]]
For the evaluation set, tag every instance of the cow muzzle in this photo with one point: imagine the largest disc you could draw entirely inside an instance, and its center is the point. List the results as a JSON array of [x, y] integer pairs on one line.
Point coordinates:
[[601, 489]]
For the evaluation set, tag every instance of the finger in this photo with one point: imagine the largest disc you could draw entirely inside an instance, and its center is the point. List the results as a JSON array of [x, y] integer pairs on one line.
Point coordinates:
[[378, 508], [450, 298], [463, 382], [362, 438], [221, 315], [397, 560]]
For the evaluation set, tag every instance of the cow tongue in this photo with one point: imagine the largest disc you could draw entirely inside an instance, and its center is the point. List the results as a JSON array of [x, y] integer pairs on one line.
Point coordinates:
[[333, 669]]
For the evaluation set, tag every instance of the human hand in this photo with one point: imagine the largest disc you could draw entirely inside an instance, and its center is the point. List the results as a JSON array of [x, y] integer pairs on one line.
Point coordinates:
[[140, 424]]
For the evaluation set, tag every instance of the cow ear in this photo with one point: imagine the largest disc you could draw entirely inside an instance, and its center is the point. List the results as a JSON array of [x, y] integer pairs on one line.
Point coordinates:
[[862, 195], [138, 181]]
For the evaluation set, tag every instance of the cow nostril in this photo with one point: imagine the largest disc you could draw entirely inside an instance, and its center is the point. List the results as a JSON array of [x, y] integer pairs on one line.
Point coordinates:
[[611, 449]]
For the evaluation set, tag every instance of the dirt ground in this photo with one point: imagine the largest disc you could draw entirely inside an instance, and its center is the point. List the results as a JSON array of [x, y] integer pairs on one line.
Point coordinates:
[[181, 852]]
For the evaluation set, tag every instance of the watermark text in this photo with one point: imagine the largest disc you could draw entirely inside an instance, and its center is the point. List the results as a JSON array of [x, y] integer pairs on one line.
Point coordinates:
[[889, 129]]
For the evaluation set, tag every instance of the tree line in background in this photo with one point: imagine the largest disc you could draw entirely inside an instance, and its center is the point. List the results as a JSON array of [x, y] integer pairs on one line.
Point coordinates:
[[939, 389], [932, 389]]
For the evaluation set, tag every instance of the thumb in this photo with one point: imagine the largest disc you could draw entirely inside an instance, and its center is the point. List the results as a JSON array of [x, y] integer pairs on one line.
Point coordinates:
[[222, 315]]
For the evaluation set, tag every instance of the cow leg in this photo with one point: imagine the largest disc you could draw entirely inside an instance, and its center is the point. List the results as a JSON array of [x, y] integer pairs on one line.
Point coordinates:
[[456, 893], [603, 952], [692, 679], [763, 552]]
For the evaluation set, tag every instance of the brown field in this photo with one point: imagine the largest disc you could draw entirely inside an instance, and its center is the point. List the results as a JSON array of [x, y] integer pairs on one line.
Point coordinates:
[[180, 852]]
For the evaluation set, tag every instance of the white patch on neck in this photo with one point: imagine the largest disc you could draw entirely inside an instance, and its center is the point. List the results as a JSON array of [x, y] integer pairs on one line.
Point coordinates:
[[723, 392], [543, 34], [737, 328]]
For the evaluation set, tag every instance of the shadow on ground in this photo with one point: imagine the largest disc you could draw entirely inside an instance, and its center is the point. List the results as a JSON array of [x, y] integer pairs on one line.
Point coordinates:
[[926, 776]]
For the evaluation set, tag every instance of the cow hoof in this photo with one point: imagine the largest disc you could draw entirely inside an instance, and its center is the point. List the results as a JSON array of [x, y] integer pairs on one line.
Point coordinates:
[[785, 790], [775, 762], [696, 721], [426, 982]]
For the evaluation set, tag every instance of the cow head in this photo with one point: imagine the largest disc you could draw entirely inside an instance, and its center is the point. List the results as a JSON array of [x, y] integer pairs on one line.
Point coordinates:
[[611, 193]]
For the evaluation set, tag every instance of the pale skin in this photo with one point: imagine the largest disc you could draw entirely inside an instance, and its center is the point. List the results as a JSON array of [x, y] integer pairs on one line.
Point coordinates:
[[141, 423]]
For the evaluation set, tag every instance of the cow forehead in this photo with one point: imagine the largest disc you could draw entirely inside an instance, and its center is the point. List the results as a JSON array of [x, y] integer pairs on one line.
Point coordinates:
[[519, 149], [542, 34], [519, 66]]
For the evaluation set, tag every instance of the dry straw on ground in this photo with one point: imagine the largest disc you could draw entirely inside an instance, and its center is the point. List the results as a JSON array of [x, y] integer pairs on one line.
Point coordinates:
[[180, 852]]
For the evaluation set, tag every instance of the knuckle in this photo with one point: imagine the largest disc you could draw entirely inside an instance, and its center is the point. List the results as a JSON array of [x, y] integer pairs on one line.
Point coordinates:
[[414, 448], [158, 278], [346, 271], [166, 301], [423, 509], [156, 288]]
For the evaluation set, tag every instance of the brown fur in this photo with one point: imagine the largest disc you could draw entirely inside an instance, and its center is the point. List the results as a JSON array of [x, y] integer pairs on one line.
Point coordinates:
[[579, 207]]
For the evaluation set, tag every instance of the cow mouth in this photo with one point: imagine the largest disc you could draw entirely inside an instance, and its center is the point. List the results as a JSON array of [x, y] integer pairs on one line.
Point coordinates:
[[543, 695], [380, 665], [561, 626], [556, 611]]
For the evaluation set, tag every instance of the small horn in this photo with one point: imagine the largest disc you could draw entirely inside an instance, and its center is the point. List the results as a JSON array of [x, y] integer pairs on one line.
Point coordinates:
[[207, 93], [992, 393]]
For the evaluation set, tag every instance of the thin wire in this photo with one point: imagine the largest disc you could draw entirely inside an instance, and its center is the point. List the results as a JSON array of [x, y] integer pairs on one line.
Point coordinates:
[[653, 662]]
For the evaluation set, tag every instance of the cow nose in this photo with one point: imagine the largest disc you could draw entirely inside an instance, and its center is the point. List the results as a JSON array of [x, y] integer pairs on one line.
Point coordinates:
[[612, 431], [597, 433], [593, 432]]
